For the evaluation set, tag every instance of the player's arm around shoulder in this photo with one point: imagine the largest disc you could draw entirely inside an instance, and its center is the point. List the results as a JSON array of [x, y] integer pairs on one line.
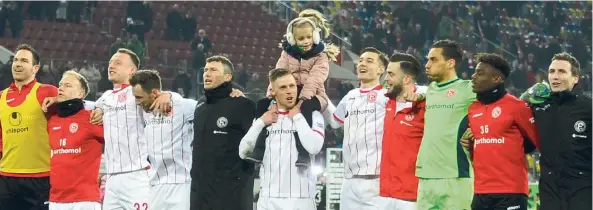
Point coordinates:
[[312, 136], [525, 121]]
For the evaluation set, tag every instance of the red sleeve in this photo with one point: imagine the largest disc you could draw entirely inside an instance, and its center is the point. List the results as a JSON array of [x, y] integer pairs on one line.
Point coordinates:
[[526, 123], [46, 91], [97, 131]]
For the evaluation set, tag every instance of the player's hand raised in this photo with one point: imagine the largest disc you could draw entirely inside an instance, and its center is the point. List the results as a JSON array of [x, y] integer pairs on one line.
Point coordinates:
[[414, 97], [270, 116], [97, 116], [47, 102], [295, 110], [237, 93], [467, 139]]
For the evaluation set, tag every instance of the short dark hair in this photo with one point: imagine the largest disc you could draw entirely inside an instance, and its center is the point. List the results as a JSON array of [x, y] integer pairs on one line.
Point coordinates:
[[408, 64], [496, 61], [382, 57], [575, 66], [133, 56], [451, 50], [83, 82], [30, 49], [147, 79], [277, 73], [227, 64]]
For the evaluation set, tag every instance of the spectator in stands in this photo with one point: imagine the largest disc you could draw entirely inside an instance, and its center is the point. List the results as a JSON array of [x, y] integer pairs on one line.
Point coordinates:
[[139, 18], [3, 18], [198, 58], [344, 87], [115, 46], [93, 76], [242, 76], [6, 74], [136, 46], [15, 19], [173, 23], [202, 38], [182, 84], [45, 76], [188, 29], [49, 9]]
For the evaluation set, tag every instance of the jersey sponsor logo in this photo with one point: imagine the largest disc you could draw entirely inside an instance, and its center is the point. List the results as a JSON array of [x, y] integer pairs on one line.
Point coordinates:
[[15, 119], [439, 106], [158, 121], [62, 151], [372, 97], [578, 136], [489, 141], [109, 108], [122, 97], [57, 128], [405, 123], [17, 130], [73, 127], [496, 112], [219, 132], [477, 115], [10, 100], [280, 131], [580, 126], [362, 112], [222, 122], [451, 93]]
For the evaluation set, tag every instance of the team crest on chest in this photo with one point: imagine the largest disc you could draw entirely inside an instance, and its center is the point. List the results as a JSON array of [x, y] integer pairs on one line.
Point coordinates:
[[580, 126], [222, 122], [496, 112], [73, 127], [122, 97], [409, 117], [450, 93], [372, 96]]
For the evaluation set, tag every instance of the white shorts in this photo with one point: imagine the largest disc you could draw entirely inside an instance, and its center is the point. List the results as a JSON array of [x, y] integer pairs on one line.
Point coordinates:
[[398, 204], [127, 191], [75, 206], [265, 203], [170, 196], [361, 194]]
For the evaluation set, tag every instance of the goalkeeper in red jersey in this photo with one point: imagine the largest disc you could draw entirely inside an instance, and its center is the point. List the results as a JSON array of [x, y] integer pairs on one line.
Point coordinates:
[[503, 129]]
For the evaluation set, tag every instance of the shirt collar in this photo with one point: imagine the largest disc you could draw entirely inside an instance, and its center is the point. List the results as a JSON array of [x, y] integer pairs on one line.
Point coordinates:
[[26, 86]]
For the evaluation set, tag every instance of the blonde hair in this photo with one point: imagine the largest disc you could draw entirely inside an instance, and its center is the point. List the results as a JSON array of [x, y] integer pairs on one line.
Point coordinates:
[[83, 82], [316, 17]]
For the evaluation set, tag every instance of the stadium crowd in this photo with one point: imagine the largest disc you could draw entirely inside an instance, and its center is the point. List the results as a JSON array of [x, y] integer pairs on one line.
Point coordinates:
[[526, 40]]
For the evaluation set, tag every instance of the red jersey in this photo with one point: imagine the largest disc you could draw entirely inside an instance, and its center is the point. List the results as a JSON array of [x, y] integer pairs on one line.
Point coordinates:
[[76, 147], [14, 98], [403, 131], [498, 156]]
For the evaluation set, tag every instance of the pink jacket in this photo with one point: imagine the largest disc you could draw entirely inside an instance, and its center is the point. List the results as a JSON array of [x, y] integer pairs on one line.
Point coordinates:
[[311, 73]]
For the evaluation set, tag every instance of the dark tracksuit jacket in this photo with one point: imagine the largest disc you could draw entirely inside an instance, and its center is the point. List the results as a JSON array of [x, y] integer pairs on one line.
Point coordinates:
[[221, 180], [564, 128]]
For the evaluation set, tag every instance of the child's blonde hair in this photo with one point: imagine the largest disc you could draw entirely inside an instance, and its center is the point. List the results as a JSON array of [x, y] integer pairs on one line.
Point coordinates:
[[316, 17]]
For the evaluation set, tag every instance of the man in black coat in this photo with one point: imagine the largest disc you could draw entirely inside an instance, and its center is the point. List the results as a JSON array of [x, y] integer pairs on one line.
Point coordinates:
[[221, 180], [563, 123]]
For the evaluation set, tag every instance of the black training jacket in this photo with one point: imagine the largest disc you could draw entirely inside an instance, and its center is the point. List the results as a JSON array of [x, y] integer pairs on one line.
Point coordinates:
[[564, 128], [221, 180]]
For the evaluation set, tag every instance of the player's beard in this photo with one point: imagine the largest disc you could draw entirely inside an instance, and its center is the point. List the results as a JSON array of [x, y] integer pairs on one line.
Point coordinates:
[[395, 90]]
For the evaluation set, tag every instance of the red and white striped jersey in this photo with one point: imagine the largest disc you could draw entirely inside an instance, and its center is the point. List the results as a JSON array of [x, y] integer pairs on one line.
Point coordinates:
[[279, 176], [125, 143], [361, 112], [169, 141]]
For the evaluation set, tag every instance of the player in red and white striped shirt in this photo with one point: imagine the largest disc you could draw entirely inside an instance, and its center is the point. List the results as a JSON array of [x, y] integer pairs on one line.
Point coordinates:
[[284, 185], [126, 154], [362, 112], [169, 140]]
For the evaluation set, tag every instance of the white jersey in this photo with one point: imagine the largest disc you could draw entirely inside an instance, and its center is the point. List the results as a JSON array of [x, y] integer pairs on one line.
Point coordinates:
[[362, 113], [169, 142], [125, 144], [279, 176]]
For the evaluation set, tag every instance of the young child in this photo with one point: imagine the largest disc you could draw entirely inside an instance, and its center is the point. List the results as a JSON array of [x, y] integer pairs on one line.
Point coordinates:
[[308, 58]]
